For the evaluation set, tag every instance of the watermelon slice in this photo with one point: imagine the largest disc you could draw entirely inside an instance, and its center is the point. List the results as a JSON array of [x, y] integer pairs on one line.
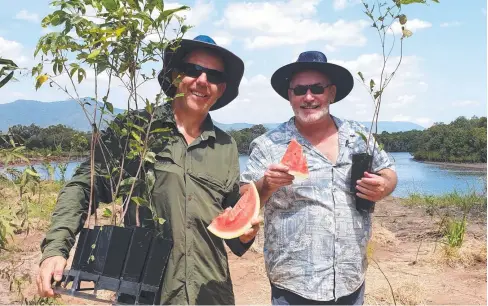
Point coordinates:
[[295, 160], [234, 222]]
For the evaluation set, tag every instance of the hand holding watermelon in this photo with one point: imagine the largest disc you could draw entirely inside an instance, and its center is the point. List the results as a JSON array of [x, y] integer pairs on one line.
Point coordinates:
[[253, 231], [276, 176]]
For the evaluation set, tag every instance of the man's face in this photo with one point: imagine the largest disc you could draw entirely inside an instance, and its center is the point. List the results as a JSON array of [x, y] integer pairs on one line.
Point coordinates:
[[201, 89], [310, 107]]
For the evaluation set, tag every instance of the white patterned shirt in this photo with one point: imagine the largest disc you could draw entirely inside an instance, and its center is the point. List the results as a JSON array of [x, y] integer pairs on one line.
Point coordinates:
[[315, 238]]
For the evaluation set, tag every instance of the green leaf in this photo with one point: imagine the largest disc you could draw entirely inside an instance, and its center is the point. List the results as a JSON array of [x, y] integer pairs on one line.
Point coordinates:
[[134, 4], [136, 137], [6, 79], [107, 213], [403, 19], [139, 201], [93, 246], [406, 33], [161, 221], [94, 53], [168, 13], [81, 74], [40, 80], [371, 85], [110, 5], [150, 157], [109, 106], [119, 31], [412, 1], [92, 258], [128, 181], [363, 137], [32, 172], [160, 130], [377, 94], [361, 76]]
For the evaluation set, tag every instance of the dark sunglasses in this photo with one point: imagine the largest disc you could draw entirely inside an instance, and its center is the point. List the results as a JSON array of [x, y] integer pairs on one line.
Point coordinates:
[[316, 89], [194, 71]]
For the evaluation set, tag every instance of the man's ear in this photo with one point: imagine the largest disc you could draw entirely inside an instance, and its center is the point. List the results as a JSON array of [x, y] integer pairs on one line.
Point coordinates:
[[221, 87], [333, 92]]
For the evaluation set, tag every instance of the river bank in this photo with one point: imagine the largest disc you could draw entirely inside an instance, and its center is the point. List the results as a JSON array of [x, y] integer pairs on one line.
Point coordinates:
[[481, 167], [33, 161]]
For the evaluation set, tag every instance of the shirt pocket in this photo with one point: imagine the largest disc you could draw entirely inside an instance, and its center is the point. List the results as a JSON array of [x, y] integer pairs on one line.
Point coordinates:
[[212, 190]]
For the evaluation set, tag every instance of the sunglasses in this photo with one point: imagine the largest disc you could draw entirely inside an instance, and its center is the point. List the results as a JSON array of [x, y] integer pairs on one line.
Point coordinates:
[[316, 89], [194, 71]]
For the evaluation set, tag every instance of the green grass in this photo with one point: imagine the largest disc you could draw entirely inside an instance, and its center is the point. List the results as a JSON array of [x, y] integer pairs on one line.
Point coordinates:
[[470, 201], [453, 210]]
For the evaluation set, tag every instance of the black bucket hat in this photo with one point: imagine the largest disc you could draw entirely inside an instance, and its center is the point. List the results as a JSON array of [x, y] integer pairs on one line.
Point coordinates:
[[313, 60], [234, 67]]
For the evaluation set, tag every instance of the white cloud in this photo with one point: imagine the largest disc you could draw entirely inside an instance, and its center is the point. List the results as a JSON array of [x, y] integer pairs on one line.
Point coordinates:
[[12, 50], [413, 25], [222, 38], [424, 121], [257, 103], [342, 4], [465, 103], [267, 25], [450, 24], [402, 92], [25, 15], [403, 101]]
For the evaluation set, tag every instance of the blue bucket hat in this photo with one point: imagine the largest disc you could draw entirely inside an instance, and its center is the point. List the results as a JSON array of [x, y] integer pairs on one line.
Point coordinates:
[[313, 60], [234, 67]]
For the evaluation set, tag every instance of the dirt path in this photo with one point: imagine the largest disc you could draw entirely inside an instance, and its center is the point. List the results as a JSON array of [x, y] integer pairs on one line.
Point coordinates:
[[403, 244]]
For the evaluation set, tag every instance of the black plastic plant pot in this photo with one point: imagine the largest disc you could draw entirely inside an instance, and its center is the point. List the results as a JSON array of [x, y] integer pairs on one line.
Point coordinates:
[[83, 262], [156, 261], [136, 256], [141, 283], [110, 250], [361, 162], [128, 261]]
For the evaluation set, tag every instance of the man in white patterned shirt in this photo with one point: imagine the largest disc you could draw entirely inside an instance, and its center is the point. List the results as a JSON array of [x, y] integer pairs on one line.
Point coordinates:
[[315, 237]]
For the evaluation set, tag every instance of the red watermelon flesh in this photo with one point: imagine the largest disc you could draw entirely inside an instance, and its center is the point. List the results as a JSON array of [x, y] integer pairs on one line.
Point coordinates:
[[236, 221], [295, 160]]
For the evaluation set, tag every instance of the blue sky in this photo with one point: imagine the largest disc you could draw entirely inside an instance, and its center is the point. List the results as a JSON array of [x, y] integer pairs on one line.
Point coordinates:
[[443, 74]]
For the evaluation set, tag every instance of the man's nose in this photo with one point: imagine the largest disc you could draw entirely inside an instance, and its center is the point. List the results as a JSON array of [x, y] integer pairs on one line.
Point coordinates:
[[309, 96], [202, 79]]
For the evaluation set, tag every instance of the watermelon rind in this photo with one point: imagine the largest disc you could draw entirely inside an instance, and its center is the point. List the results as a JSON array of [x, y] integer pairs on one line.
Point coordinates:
[[239, 232], [299, 175]]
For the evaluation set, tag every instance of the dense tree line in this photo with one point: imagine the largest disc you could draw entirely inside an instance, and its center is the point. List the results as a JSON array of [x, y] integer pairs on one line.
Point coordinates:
[[244, 137], [463, 140], [58, 138]]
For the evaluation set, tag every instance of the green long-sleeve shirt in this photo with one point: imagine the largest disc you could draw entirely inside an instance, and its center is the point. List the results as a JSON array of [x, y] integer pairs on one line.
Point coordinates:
[[193, 184]]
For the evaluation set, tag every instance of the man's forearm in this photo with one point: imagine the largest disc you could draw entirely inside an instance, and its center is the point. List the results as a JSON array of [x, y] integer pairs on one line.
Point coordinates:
[[391, 179], [264, 192]]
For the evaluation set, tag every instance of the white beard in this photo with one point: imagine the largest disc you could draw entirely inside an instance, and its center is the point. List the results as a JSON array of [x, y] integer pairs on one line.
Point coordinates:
[[310, 118]]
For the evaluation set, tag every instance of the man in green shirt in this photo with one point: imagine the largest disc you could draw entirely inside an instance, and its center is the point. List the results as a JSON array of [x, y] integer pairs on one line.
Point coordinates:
[[196, 177]]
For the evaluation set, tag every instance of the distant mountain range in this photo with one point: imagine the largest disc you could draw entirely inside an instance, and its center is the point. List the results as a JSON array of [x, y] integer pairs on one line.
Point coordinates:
[[69, 113]]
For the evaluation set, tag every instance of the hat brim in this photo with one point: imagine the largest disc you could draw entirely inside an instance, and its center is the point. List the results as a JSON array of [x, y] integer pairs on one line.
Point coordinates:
[[234, 69], [338, 75]]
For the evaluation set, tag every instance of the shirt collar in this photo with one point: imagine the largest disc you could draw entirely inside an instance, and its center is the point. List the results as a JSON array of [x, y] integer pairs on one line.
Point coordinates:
[[165, 114]]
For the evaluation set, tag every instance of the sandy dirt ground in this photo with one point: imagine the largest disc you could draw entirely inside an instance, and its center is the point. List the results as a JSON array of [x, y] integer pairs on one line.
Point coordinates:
[[403, 246]]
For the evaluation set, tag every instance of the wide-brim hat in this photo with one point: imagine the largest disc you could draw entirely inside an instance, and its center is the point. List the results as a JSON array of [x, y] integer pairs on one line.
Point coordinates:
[[234, 67], [313, 60]]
